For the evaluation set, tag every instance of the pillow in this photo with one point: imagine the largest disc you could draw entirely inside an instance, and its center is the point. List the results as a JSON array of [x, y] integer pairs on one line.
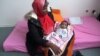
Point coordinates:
[[57, 15], [75, 20]]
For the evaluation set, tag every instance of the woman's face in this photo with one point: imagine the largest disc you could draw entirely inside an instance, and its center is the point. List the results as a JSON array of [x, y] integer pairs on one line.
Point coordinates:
[[44, 10]]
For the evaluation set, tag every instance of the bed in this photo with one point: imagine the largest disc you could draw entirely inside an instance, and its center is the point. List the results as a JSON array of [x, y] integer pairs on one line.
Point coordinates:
[[87, 35]]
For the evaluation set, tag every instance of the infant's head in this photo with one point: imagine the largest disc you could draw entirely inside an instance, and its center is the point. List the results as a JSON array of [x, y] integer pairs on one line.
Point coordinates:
[[64, 24]]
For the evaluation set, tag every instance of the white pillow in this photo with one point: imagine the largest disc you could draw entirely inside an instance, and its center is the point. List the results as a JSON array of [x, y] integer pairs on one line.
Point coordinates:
[[75, 20]]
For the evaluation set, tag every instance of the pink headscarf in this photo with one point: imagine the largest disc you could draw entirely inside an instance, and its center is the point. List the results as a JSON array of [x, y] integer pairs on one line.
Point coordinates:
[[47, 23]]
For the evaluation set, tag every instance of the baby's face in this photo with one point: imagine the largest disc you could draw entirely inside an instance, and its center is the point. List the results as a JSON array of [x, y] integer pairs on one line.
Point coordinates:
[[64, 25]]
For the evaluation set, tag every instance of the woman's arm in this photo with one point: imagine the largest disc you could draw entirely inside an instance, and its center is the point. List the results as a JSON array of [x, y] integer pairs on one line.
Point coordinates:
[[38, 39], [36, 34]]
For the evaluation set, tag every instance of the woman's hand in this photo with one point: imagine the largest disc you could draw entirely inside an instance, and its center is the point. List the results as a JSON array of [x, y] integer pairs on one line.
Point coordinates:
[[55, 48]]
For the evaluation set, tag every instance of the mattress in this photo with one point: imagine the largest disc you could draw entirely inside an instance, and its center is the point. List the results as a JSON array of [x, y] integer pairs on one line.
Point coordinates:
[[87, 35], [17, 38]]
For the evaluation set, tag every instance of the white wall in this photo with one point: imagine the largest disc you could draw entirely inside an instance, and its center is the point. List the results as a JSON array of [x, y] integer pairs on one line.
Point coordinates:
[[76, 7], [13, 10]]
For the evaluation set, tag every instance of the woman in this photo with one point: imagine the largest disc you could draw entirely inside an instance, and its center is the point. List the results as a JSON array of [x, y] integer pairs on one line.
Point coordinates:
[[39, 27]]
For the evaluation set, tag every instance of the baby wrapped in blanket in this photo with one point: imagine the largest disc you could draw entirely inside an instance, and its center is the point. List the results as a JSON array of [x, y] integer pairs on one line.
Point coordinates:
[[61, 35]]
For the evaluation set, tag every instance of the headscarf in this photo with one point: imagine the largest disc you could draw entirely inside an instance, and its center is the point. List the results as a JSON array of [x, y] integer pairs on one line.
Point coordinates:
[[46, 22]]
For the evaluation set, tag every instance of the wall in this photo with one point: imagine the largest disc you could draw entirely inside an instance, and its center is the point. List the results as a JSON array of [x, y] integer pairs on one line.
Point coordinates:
[[76, 7], [13, 10]]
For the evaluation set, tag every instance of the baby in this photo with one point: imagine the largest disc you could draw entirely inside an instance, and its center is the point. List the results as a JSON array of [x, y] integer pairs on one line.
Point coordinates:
[[62, 29], [60, 36]]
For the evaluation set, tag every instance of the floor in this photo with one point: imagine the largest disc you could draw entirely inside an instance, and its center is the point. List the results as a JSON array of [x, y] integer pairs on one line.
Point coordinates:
[[5, 31]]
